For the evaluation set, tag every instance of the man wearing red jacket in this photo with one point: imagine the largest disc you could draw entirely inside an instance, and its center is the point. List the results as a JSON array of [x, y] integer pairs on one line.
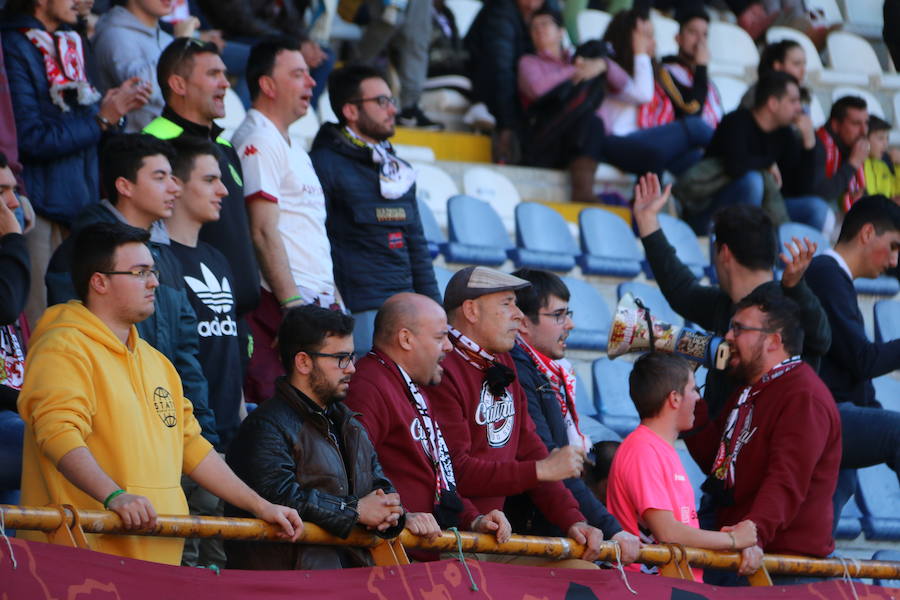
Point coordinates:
[[483, 413], [388, 392], [773, 453]]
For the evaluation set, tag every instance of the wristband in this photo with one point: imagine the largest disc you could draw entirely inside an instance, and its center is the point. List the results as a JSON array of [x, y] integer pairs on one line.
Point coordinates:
[[287, 301], [733, 542], [111, 497]]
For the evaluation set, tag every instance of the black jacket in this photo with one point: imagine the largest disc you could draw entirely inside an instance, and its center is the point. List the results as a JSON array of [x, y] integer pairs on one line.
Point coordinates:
[[283, 451], [376, 252]]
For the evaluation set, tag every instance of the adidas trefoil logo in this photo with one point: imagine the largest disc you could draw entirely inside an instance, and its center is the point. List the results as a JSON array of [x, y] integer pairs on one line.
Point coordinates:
[[217, 296]]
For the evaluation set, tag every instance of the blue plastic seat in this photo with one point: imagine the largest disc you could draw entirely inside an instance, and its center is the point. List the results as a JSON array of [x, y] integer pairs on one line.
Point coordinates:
[[608, 245], [543, 239], [880, 286], [477, 235], [879, 497], [850, 524], [654, 299], [433, 234], [687, 246], [887, 320], [363, 329], [443, 277], [592, 317], [893, 555], [614, 405], [887, 391], [694, 472]]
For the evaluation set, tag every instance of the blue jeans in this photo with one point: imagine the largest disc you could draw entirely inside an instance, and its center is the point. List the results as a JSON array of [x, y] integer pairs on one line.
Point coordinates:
[[812, 211], [12, 433], [746, 189], [673, 147]]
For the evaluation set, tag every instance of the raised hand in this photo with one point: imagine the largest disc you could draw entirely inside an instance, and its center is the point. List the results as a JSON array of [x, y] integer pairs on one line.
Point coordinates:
[[801, 254]]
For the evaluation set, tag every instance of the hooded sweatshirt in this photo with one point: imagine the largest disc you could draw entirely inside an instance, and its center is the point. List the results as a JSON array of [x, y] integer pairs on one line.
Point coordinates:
[[123, 402], [124, 48]]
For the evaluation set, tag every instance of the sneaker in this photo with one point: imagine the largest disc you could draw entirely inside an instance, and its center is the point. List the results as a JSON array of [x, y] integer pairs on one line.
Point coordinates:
[[480, 118], [414, 117]]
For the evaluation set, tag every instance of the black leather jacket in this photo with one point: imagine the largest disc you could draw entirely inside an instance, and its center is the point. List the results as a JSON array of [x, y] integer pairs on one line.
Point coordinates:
[[284, 451]]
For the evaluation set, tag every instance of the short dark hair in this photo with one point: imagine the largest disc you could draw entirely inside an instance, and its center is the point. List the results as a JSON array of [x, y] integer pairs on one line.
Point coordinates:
[[773, 84], [548, 10], [304, 329], [536, 296], [842, 105], [781, 314], [686, 16], [123, 156], [878, 124], [187, 149], [343, 86], [749, 233], [603, 452], [95, 248], [774, 53], [881, 212], [262, 59], [178, 58], [19, 7], [653, 376], [4, 162]]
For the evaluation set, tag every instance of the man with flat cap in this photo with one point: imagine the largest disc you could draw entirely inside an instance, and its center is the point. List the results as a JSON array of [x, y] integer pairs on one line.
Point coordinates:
[[483, 413]]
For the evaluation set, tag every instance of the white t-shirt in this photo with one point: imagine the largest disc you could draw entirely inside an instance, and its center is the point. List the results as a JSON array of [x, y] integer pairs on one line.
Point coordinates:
[[275, 171]]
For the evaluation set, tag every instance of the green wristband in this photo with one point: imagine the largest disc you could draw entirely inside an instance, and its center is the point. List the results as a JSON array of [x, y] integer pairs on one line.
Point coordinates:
[[287, 301], [111, 497]]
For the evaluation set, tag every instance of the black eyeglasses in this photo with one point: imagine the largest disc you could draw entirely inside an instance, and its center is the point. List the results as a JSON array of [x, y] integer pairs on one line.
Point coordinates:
[[382, 101], [738, 329], [143, 274], [344, 358], [560, 315]]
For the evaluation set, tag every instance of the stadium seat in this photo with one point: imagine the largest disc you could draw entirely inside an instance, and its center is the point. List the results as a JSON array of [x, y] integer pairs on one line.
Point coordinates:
[[608, 245], [433, 234], [849, 53], [694, 472], [731, 50], [700, 376], [893, 555], [850, 524], [687, 247], [887, 391], [815, 70], [412, 153], [664, 30], [788, 231], [614, 405], [731, 90], [326, 114], [652, 298], [887, 320], [592, 317], [864, 17], [543, 240], [234, 114], [816, 112], [496, 189], [443, 277], [587, 416], [464, 13], [885, 285], [829, 10], [872, 103], [592, 24], [477, 235], [434, 187], [879, 498], [304, 130], [363, 329]]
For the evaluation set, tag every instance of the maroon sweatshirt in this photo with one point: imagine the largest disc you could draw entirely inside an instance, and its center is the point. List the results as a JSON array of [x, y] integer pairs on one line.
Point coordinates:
[[494, 444], [380, 395], [786, 474]]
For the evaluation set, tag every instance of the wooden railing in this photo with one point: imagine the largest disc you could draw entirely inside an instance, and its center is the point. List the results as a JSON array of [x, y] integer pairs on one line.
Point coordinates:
[[66, 525]]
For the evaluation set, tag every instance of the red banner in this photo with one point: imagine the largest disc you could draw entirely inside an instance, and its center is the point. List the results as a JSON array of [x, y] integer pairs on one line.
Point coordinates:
[[45, 572]]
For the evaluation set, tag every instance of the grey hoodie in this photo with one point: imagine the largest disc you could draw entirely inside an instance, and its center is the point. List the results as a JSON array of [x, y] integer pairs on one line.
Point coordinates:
[[123, 48]]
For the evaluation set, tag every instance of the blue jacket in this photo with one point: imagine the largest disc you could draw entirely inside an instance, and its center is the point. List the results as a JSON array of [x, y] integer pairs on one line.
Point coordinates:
[[57, 149], [543, 408], [171, 329], [375, 256]]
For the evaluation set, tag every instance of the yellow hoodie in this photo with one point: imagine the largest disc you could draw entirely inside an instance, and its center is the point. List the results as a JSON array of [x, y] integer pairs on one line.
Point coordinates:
[[85, 388]]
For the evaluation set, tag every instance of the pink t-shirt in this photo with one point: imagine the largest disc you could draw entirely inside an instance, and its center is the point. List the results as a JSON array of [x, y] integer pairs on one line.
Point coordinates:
[[647, 473]]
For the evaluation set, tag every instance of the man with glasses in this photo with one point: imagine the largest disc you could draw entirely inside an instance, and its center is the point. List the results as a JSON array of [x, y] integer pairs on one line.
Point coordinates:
[[304, 448], [773, 453], [377, 242], [107, 423], [548, 381]]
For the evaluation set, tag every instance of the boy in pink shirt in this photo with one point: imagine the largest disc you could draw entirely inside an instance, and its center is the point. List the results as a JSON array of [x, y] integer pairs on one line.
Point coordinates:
[[649, 491]]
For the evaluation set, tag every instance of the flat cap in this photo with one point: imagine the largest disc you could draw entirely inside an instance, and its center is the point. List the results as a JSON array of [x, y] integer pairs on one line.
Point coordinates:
[[474, 282]]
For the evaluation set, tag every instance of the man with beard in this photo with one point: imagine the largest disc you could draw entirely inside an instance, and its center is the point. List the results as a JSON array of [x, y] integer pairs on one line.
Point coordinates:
[[304, 447], [484, 414], [377, 243], [388, 392], [773, 454], [841, 153]]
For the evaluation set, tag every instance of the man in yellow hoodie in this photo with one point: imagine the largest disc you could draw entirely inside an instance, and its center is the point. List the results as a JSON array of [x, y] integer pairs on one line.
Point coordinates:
[[107, 424]]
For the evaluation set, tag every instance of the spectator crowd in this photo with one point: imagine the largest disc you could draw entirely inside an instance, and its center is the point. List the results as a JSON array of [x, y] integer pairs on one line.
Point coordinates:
[[180, 310]]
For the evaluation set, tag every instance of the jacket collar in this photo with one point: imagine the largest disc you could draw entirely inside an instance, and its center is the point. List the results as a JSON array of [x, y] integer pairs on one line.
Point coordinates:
[[304, 405], [191, 128]]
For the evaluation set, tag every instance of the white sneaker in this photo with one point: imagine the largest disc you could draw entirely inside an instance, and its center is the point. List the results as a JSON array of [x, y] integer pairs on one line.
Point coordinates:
[[479, 117]]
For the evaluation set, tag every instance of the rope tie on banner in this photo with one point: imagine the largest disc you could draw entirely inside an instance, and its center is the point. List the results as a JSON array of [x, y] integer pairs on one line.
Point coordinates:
[[12, 555], [620, 567], [462, 559], [846, 577]]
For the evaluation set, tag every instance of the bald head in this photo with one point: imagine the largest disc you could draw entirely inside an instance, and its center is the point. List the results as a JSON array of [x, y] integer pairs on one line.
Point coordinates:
[[412, 330]]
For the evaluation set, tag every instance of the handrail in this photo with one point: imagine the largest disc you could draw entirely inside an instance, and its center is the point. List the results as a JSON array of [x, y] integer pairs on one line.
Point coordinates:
[[94, 521]]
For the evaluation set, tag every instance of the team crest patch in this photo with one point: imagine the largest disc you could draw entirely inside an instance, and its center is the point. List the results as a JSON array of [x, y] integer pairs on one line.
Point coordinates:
[[165, 407]]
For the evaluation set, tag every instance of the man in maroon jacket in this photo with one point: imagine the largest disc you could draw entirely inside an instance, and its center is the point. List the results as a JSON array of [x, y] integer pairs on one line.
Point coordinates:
[[483, 413], [388, 392], [773, 452]]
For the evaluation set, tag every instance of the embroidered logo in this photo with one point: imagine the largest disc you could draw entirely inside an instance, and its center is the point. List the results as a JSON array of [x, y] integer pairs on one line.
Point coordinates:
[[497, 415], [385, 213], [165, 407], [395, 240], [250, 150]]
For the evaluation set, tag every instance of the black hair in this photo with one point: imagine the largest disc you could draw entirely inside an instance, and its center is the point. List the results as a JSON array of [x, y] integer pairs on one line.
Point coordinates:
[[19, 7], [262, 58], [842, 105], [878, 124], [178, 58], [749, 233], [603, 452], [773, 84], [653, 377], [619, 36], [4, 162], [95, 248], [774, 53], [187, 149], [536, 296], [781, 314], [548, 10], [123, 156], [304, 329], [686, 16], [881, 212], [343, 86]]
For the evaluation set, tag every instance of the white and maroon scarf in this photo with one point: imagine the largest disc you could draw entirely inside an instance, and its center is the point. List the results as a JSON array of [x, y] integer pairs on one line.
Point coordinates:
[[661, 109], [833, 163], [63, 57]]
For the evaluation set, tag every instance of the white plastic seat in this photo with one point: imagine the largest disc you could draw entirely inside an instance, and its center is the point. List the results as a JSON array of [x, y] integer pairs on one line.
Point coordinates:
[[831, 13], [731, 91], [732, 50], [326, 114], [872, 104], [434, 187], [815, 70], [592, 24], [234, 114], [816, 112], [849, 53], [304, 130], [865, 17], [464, 13], [495, 189], [411, 153], [664, 30]]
